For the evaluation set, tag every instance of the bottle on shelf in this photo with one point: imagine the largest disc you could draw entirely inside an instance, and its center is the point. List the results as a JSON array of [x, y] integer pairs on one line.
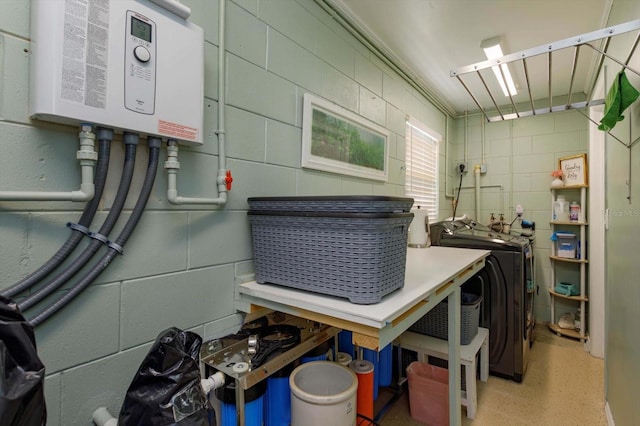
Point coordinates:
[[561, 209], [574, 212]]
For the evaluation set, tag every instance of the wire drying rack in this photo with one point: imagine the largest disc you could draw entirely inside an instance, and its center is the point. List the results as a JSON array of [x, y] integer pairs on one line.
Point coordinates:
[[598, 41]]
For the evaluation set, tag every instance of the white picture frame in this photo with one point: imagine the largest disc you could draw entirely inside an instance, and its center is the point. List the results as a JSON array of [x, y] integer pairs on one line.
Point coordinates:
[[337, 140]]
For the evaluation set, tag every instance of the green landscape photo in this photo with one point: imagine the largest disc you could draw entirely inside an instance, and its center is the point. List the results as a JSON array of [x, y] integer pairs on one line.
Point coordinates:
[[336, 139]]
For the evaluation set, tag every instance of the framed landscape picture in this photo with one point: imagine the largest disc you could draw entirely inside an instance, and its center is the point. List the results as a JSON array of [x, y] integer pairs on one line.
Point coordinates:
[[339, 141]]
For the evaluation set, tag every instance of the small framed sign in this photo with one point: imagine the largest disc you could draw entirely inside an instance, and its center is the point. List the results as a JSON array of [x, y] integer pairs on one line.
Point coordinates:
[[574, 170]]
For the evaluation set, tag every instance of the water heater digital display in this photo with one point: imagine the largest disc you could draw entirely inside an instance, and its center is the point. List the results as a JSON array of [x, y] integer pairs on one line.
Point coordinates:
[[140, 29], [120, 64], [139, 64]]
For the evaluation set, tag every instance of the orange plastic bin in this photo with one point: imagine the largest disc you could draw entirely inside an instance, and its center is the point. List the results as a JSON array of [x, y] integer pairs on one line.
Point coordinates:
[[428, 393]]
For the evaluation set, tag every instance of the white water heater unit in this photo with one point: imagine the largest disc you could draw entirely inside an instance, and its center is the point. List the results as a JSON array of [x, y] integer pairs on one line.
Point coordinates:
[[135, 65]]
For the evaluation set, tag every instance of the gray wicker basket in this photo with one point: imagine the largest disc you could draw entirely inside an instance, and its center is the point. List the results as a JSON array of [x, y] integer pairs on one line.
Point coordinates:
[[332, 203], [436, 322], [359, 256]]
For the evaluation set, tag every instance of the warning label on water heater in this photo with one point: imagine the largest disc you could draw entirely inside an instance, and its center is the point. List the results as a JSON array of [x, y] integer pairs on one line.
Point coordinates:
[[85, 52], [177, 130]]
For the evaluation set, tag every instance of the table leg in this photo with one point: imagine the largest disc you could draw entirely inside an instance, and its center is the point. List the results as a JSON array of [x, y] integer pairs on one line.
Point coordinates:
[[453, 299], [472, 392]]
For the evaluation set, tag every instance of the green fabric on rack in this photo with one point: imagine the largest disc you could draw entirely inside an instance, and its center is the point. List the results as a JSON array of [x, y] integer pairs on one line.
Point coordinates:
[[620, 96]]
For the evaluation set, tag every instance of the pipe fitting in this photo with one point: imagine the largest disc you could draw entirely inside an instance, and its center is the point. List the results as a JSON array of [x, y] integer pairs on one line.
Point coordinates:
[[172, 162], [213, 382], [154, 142], [86, 192], [102, 417], [172, 165], [104, 134], [130, 138]]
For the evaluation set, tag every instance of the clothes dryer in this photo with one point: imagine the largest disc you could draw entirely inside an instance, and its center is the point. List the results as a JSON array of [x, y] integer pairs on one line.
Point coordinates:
[[506, 284]]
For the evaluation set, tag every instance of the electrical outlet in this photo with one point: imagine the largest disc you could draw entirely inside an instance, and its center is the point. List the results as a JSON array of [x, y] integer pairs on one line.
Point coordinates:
[[461, 168]]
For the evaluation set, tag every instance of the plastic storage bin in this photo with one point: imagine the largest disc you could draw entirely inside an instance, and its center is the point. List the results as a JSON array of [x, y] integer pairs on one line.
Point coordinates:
[[428, 393], [436, 322], [359, 256], [566, 244]]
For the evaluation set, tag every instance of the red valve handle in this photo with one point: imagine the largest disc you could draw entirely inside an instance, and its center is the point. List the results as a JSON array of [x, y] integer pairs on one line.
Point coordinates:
[[228, 179]]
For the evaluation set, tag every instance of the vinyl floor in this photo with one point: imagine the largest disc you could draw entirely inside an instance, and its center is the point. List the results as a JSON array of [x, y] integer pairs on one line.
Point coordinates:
[[563, 386]]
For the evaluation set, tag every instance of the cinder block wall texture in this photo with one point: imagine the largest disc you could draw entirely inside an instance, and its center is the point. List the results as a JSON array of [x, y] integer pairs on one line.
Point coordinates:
[[181, 264]]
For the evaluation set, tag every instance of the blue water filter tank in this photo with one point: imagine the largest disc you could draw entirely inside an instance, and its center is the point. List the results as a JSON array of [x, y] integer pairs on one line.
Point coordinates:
[[345, 342], [278, 402], [319, 353], [386, 365], [372, 356], [253, 404]]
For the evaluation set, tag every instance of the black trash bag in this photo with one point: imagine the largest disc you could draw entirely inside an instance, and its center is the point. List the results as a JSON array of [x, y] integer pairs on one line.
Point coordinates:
[[21, 371], [166, 389]]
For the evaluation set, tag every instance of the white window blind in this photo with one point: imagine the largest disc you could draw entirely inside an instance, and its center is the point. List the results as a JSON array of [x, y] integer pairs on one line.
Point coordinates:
[[422, 167]]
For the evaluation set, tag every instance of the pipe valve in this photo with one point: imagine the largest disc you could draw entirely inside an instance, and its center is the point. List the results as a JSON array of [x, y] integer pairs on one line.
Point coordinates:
[[228, 180]]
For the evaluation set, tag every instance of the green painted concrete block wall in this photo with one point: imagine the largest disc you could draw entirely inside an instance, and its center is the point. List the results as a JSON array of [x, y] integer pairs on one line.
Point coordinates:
[[520, 155], [622, 347], [181, 264]]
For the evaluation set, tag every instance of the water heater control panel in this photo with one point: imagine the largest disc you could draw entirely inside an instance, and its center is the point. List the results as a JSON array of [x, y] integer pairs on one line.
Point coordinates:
[[140, 64], [135, 65]]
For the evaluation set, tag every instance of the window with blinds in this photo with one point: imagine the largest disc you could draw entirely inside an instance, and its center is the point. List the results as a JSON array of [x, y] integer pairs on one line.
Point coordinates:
[[422, 167]]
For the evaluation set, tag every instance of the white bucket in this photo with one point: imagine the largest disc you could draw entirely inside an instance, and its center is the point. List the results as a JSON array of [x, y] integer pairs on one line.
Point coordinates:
[[323, 393]]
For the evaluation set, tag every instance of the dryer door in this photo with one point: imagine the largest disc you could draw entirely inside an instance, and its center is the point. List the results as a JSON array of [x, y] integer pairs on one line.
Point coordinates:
[[494, 315]]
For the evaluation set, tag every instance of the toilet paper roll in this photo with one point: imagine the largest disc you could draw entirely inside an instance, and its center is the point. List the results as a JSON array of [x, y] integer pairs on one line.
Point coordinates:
[[418, 235]]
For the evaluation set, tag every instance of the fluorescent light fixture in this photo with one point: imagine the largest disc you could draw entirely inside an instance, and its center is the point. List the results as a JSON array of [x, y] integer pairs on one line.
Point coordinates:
[[493, 50]]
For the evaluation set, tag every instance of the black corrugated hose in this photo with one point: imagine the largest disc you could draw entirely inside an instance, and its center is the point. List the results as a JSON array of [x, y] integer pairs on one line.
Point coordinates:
[[105, 136], [131, 143], [101, 265], [457, 198]]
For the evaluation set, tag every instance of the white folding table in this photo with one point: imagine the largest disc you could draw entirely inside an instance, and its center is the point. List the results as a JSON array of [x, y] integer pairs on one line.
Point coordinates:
[[432, 274]]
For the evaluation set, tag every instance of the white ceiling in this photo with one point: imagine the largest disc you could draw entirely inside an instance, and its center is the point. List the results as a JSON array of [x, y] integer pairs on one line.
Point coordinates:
[[429, 38]]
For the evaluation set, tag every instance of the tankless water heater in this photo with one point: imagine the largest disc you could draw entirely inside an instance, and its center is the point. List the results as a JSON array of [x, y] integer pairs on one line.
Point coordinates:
[[135, 65]]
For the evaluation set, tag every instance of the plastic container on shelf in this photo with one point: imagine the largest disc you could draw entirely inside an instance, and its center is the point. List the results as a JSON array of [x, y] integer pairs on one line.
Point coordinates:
[[561, 209], [566, 245], [428, 393], [574, 212]]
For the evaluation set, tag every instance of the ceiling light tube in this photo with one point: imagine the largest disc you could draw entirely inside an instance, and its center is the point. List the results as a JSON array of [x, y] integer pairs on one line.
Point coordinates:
[[493, 50]]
